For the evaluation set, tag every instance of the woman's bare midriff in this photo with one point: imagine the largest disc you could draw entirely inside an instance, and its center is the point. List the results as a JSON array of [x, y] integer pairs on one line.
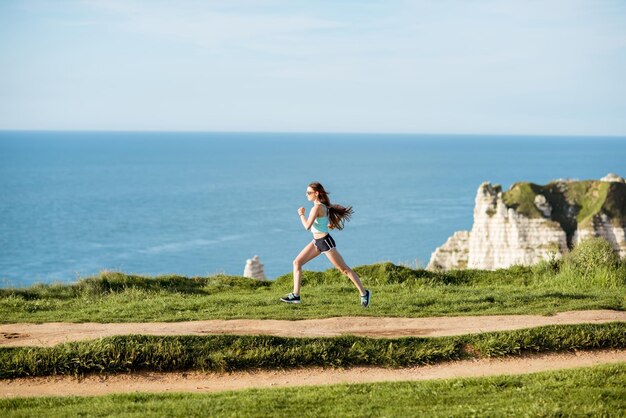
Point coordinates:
[[318, 236]]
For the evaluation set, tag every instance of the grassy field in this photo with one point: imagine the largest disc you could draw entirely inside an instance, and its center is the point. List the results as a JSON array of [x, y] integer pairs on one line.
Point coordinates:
[[595, 391], [232, 352], [546, 288], [590, 277]]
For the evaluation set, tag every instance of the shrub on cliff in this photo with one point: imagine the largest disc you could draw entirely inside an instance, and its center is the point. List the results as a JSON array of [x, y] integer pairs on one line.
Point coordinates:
[[592, 254], [593, 263]]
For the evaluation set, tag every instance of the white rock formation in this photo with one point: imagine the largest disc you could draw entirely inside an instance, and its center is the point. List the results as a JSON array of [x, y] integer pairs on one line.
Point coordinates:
[[501, 237], [452, 254], [542, 204], [254, 268], [613, 177]]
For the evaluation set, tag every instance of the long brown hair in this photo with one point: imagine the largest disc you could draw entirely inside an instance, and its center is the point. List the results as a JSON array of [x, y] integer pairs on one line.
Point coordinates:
[[337, 214]]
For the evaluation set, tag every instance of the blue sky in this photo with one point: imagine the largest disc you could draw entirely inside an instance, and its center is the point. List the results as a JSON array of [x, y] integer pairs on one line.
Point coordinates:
[[487, 67]]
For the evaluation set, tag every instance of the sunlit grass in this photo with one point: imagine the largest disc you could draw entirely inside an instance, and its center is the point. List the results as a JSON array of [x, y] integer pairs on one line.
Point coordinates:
[[232, 352], [592, 391], [397, 291]]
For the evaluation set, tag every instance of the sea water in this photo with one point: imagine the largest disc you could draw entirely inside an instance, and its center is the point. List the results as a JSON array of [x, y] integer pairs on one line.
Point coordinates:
[[73, 204]]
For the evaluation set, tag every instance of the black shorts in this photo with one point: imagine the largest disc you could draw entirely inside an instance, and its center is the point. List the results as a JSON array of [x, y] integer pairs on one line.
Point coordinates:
[[324, 244]]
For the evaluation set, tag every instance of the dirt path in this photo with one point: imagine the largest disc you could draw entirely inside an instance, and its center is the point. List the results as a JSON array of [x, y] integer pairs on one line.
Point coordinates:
[[214, 382], [52, 333]]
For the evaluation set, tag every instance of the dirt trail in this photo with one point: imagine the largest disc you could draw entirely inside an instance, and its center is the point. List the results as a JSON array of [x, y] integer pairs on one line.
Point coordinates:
[[214, 382], [48, 334]]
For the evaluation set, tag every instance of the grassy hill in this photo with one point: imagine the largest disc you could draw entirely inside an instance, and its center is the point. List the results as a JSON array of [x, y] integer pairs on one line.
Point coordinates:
[[591, 277]]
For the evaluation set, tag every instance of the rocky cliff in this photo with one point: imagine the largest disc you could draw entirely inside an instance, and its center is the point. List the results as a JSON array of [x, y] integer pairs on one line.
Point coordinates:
[[531, 222]]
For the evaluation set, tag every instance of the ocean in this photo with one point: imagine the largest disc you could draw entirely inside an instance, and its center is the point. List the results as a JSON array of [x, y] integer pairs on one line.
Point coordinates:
[[73, 204]]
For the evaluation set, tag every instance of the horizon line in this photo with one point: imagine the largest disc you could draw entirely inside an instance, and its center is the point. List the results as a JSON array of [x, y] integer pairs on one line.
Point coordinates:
[[313, 133]]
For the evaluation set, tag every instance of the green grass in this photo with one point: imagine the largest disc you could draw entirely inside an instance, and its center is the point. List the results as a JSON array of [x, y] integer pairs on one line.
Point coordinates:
[[521, 197], [590, 197], [594, 391], [397, 291], [232, 352]]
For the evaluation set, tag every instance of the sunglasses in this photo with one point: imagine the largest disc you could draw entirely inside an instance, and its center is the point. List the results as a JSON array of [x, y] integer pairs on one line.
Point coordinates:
[[308, 193]]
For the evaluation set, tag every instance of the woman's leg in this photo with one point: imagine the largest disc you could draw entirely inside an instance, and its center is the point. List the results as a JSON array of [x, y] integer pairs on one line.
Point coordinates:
[[337, 260], [307, 254]]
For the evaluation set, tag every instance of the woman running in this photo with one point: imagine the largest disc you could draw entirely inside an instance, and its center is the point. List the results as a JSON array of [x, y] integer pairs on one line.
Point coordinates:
[[322, 216]]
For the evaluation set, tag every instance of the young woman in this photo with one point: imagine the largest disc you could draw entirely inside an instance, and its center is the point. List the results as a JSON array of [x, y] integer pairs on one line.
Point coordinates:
[[322, 216]]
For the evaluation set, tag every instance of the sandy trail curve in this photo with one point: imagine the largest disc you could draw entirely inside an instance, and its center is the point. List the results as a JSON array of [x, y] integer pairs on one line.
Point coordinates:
[[197, 382], [48, 334]]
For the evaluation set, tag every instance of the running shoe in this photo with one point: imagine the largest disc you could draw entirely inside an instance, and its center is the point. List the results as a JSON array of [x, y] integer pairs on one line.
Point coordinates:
[[365, 299], [291, 298]]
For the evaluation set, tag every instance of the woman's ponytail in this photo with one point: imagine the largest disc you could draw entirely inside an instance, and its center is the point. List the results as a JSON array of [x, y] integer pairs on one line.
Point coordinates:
[[337, 214]]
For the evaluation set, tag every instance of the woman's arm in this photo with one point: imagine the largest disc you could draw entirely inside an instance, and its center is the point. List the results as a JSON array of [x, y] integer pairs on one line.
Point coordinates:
[[308, 222]]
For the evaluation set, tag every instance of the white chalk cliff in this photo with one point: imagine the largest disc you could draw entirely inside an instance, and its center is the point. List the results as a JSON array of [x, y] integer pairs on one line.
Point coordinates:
[[531, 222]]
